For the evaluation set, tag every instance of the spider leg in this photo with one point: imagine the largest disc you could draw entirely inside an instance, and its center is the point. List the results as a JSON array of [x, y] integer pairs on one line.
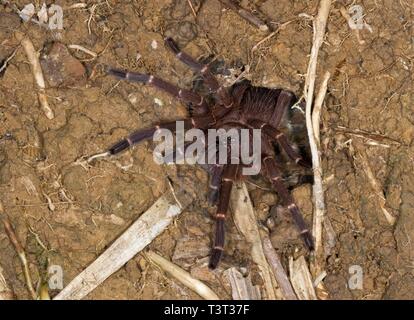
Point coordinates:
[[248, 16], [145, 134], [284, 100], [211, 81], [216, 171], [293, 181], [274, 174], [281, 139], [227, 180], [184, 95]]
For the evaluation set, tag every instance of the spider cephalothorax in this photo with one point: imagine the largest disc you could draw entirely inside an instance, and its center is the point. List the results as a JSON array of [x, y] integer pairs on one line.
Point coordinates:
[[241, 106]]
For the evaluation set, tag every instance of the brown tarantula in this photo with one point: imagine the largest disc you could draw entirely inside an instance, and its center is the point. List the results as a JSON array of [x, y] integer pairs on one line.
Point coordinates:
[[239, 106]]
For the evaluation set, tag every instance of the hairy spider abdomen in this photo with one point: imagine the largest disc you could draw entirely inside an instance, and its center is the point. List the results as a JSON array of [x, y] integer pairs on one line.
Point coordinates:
[[267, 105]]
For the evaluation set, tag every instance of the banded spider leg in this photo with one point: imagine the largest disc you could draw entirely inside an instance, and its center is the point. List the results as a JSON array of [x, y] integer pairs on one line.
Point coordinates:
[[228, 177], [274, 174], [210, 80]]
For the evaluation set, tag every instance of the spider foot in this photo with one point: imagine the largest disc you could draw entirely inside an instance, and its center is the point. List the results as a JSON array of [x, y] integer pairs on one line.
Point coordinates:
[[215, 258], [304, 163], [308, 239]]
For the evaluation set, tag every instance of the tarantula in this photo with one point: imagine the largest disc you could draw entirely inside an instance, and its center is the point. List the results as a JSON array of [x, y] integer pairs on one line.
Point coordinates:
[[239, 106]]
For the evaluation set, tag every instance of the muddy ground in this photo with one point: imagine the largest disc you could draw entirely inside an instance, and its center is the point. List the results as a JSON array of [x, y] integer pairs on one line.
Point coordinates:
[[368, 109]]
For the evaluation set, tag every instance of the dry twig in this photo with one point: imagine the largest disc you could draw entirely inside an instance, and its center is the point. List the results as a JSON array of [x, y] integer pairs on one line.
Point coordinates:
[[319, 25], [182, 276], [190, 3], [22, 255], [277, 268], [79, 5], [374, 183], [301, 279], [245, 221], [5, 63], [242, 287], [83, 49], [373, 138], [316, 114], [149, 225], [37, 72], [5, 292], [245, 14], [318, 264], [271, 35]]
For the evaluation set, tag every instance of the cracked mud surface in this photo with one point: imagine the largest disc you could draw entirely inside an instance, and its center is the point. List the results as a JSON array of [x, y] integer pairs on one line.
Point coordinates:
[[369, 105]]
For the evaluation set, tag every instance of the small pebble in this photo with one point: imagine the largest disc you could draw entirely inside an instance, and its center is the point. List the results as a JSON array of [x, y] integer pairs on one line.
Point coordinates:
[[154, 44], [158, 102]]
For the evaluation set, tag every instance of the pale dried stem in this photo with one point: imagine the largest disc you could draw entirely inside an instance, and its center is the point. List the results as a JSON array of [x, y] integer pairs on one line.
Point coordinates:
[[241, 286], [277, 268], [318, 264], [76, 6], [317, 107], [246, 221], [319, 26], [269, 36], [245, 14], [182, 276], [301, 279], [375, 185], [141, 233], [9, 58], [83, 49], [5, 292], [37, 72], [190, 3], [21, 254], [97, 156], [370, 136]]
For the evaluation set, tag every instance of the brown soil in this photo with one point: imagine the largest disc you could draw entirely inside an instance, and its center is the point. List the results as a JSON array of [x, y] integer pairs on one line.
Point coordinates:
[[371, 90]]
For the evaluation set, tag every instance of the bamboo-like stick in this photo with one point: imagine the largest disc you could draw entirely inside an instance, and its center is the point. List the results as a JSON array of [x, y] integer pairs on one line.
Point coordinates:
[[141, 233], [277, 268], [301, 279], [246, 222], [242, 287]]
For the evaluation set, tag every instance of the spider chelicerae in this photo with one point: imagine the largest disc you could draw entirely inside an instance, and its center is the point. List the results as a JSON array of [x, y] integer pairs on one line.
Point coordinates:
[[241, 106]]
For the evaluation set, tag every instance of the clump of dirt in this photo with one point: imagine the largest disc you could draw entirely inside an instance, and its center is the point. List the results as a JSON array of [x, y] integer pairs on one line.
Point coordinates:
[[66, 214]]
